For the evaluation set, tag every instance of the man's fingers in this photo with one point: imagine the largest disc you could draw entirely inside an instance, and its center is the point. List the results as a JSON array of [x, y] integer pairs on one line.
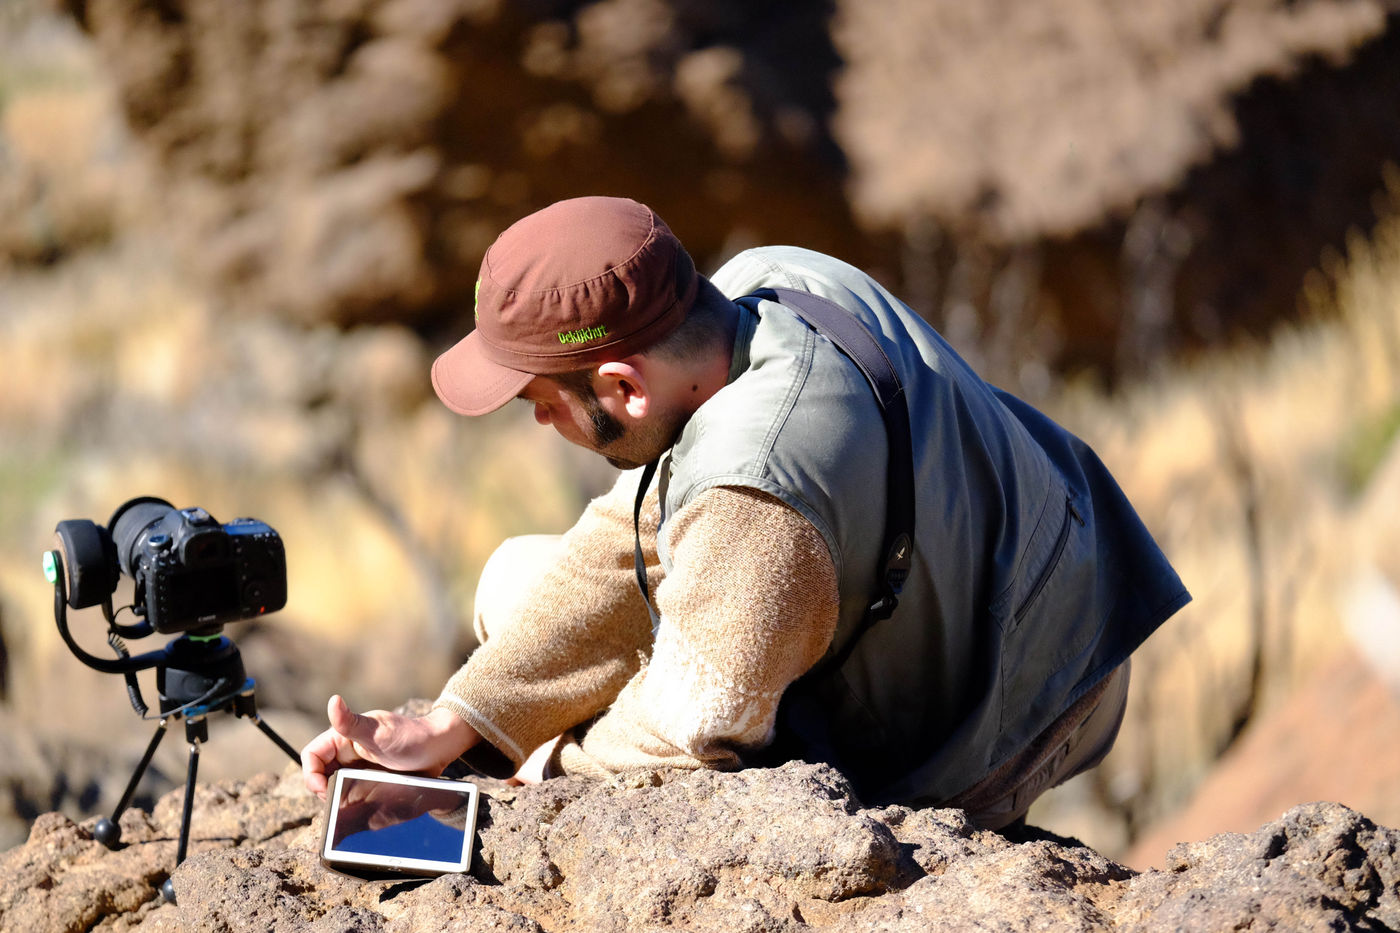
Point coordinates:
[[315, 782], [349, 741], [358, 729], [386, 739], [316, 759]]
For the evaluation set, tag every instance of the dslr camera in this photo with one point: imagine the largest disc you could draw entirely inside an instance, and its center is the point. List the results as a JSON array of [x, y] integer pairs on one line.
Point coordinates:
[[191, 573]]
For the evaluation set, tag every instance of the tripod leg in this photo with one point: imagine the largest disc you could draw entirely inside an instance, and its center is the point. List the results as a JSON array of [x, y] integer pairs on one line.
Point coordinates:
[[281, 742], [188, 808], [245, 705], [109, 832], [167, 889]]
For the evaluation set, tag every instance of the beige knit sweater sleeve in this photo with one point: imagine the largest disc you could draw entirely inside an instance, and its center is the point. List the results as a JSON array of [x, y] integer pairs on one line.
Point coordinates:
[[576, 635], [750, 604]]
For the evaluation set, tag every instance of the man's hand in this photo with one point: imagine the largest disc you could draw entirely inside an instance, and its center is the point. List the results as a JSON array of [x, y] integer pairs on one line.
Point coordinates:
[[419, 744]]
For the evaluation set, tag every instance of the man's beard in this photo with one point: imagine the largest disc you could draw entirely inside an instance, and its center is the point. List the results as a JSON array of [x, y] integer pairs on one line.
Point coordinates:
[[641, 446], [606, 429]]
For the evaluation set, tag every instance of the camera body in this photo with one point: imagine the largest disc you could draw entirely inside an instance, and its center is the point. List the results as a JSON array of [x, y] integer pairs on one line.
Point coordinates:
[[191, 573]]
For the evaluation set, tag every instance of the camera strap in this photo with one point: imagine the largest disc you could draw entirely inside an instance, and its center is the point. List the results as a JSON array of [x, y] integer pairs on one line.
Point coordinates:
[[648, 472], [854, 339]]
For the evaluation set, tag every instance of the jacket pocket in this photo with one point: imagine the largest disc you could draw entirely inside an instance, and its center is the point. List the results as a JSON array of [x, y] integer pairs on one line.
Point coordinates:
[[1069, 518], [1054, 627]]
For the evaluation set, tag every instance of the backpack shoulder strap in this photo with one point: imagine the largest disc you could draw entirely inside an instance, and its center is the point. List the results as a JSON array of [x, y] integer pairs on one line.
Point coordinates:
[[854, 339]]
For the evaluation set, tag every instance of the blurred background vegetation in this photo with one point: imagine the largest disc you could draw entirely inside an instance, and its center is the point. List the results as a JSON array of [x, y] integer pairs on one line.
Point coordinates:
[[233, 236]]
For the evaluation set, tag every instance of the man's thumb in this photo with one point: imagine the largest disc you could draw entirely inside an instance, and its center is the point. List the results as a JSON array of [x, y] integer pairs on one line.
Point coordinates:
[[345, 721]]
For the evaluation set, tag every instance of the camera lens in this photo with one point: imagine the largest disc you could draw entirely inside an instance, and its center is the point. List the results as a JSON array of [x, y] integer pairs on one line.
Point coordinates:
[[128, 523]]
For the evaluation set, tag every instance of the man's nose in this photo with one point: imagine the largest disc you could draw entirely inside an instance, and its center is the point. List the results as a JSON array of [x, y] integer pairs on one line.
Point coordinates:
[[541, 413]]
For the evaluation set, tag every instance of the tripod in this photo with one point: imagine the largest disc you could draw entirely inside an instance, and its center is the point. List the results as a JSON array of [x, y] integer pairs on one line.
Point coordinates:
[[199, 676], [197, 673]]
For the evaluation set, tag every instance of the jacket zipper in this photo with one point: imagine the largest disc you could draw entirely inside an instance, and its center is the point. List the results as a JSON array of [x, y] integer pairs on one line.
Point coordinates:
[[1050, 565]]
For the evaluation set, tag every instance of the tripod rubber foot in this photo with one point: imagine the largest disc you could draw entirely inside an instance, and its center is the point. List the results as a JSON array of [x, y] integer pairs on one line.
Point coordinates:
[[107, 833], [167, 891]]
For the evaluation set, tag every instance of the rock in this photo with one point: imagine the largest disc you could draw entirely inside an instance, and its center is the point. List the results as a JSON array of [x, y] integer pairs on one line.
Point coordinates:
[[349, 163], [941, 151], [782, 849], [1319, 866]]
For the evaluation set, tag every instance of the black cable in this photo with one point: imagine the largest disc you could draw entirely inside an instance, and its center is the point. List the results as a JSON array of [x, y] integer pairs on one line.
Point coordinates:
[[133, 687], [205, 697]]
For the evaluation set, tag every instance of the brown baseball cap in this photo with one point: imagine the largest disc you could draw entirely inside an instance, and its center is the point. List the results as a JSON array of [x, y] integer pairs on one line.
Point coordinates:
[[581, 282]]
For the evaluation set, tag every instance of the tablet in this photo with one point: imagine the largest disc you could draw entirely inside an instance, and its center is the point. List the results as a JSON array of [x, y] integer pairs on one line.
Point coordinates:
[[380, 821]]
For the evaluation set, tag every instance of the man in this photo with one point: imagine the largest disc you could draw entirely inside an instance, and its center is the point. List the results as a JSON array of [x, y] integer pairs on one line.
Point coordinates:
[[1002, 671]]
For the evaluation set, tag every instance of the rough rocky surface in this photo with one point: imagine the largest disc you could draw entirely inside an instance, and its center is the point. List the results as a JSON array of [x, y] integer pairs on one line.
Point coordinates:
[[1093, 104], [763, 850], [351, 161]]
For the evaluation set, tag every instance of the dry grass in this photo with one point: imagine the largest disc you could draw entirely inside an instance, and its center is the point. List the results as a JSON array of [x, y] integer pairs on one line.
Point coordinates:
[[1258, 472]]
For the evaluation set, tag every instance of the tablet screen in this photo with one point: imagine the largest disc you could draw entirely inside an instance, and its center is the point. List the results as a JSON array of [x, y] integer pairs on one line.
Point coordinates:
[[399, 822]]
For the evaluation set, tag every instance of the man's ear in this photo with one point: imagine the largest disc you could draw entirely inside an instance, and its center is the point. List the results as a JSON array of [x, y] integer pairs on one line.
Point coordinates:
[[626, 385]]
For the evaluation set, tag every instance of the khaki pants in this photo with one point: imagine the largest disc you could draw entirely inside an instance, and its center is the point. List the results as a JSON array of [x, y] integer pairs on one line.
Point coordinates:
[[505, 579], [507, 576]]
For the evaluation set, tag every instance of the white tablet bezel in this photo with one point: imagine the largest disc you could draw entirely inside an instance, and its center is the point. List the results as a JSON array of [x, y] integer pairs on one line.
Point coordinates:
[[363, 860]]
